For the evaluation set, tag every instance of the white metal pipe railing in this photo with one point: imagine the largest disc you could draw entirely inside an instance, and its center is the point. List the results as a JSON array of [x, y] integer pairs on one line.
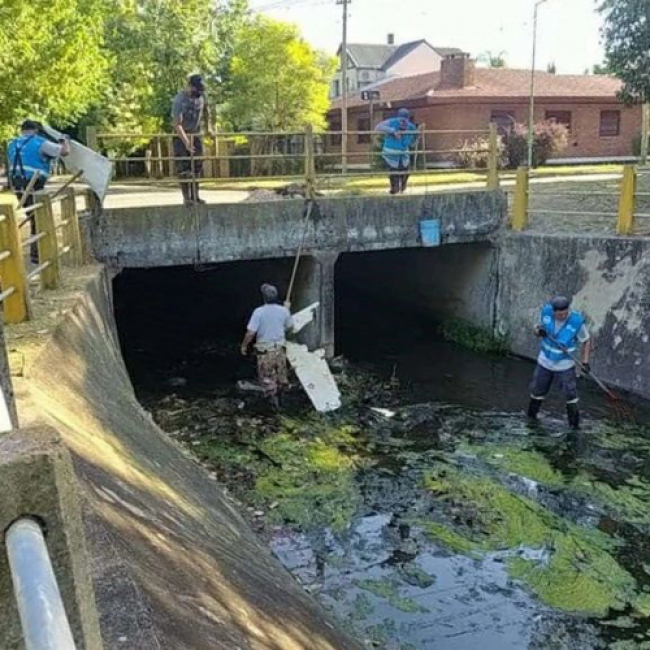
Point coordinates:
[[42, 615]]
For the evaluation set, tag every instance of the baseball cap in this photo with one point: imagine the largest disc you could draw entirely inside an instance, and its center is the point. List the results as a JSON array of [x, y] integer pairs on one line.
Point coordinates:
[[196, 81]]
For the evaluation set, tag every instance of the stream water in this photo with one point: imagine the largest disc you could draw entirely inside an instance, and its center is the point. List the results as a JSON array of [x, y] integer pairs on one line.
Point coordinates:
[[427, 514]]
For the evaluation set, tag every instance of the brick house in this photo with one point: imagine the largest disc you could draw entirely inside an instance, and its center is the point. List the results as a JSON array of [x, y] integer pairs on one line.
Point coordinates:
[[370, 63], [462, 97]]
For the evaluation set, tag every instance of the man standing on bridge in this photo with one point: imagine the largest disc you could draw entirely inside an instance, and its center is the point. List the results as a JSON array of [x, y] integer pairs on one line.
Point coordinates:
[[189, 113], [268, 327], [399, 135], [28, 155], [562, 331]]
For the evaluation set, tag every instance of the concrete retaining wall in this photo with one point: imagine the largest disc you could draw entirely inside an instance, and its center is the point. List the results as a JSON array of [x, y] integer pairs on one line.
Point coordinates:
[[173, 236], [609, 279], [174, 565]]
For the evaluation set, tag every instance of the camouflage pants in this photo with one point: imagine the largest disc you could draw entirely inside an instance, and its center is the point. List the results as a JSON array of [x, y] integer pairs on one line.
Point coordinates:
[[272, 370]]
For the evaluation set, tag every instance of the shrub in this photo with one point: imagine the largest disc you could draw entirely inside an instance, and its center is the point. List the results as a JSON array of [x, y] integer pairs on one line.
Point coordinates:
[[475, 154], [549, 139]]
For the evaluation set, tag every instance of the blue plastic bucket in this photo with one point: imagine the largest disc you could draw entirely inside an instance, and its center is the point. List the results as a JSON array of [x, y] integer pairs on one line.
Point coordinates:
[[430, 232]]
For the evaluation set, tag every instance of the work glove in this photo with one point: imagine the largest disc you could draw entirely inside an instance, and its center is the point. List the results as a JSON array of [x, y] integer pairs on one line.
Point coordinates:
[[540, 331], [586, 368]]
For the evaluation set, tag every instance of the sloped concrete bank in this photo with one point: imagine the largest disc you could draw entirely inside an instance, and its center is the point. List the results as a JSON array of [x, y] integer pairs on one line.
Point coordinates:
[[174, 565], [608, 278]]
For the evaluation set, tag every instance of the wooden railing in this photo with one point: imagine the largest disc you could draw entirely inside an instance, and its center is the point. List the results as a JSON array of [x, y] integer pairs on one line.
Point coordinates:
[[57, 237]]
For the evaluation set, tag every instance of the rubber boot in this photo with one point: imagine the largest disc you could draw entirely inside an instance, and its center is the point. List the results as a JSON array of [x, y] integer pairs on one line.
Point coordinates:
[[534, 407], [573, 413]]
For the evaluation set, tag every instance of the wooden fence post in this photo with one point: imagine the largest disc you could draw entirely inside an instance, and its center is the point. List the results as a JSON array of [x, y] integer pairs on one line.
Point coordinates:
[[17, 307], [71, 232], [493, 159], [520, 207], [627, 202], [48, 248], [310, 161]]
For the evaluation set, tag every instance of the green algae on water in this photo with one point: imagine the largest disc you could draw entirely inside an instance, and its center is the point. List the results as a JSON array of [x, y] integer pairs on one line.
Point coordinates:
[[580, 574], [522, 462]]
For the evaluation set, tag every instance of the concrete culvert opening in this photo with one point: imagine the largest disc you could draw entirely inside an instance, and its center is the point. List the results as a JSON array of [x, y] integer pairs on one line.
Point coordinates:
[[179, 321]]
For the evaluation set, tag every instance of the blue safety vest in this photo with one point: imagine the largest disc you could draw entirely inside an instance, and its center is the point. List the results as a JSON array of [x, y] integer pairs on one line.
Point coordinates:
[[396, 150], [25, 157], [567, 336]]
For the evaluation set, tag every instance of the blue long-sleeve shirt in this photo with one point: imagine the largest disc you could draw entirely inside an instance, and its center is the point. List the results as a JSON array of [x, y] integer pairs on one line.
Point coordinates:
[[397, 150]]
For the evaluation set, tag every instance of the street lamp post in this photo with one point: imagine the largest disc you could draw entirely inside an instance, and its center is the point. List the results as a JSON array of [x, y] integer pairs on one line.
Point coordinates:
[[531, 114]]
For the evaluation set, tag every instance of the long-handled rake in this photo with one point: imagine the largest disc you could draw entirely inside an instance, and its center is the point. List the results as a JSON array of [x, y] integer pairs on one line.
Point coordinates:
[[621, 407]]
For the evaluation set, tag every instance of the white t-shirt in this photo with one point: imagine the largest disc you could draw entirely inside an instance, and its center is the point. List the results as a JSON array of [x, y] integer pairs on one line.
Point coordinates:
[[51, 149], [564, 364], [270, 323]]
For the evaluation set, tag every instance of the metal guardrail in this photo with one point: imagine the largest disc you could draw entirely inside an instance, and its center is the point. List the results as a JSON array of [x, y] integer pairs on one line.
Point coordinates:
[[625, 219], [270, 156], [57, 237], [43, 618]]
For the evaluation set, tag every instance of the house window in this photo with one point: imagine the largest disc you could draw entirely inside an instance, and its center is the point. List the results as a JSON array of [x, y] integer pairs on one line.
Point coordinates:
[[559, 117], [336, 88], [610, 124], [504, 120], [363, 124], [336, 139]]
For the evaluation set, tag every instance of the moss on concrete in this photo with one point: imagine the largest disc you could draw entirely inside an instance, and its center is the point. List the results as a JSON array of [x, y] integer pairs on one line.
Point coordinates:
[[473, 338]]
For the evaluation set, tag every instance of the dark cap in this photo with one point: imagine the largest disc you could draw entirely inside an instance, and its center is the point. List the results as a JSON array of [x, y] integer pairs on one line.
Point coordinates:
[[196, 81], [30, 125], [560, 303]]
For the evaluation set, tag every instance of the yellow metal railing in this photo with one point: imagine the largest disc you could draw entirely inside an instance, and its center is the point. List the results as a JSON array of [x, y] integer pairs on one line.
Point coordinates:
[[58, 239], [272, 156], [625, 219]]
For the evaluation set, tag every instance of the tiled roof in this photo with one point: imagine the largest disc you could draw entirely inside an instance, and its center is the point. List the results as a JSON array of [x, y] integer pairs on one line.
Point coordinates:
[[492, 83], [384, 56]]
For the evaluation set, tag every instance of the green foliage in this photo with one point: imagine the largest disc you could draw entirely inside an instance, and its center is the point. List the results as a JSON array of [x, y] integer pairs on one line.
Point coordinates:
[[473, 338], [288, 91], [549, 139], [52, 64], [492, 60], [627, 43]]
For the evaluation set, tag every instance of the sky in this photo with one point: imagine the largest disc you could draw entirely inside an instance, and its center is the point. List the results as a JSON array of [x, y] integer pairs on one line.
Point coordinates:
[[568, 31]]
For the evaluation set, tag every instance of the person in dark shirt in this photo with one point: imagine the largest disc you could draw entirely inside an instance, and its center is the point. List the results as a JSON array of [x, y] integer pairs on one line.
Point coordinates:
[[189, 114]]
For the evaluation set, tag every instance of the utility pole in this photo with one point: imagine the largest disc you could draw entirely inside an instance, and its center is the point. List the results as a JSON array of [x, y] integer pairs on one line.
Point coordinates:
[[344, 83], [531, 110]]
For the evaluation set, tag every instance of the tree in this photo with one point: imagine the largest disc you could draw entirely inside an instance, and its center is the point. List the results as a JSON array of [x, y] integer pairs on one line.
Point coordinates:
[[52, 63], [276, 81], [493, 60], [627, 46], [600, 69], [551, 68], [153, 46]]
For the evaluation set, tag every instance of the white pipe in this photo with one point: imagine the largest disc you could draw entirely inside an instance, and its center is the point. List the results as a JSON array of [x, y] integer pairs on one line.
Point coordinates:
[[42, 615]]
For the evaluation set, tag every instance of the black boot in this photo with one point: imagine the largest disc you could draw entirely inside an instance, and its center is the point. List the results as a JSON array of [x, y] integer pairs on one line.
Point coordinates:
[[534, 407], [573, 413], [187, 194]]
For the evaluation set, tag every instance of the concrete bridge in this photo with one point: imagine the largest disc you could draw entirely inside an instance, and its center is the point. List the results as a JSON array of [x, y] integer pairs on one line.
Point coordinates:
[[147, 237]]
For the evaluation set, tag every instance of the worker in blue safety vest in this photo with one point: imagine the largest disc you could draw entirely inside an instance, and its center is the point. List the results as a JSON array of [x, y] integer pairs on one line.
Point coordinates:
[[399, 136], [28, 155], [563, 332]]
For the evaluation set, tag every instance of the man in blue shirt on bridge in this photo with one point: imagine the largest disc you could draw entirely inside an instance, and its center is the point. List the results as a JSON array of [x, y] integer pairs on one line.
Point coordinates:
[[399, 136], [563, 331], [27, 155]]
